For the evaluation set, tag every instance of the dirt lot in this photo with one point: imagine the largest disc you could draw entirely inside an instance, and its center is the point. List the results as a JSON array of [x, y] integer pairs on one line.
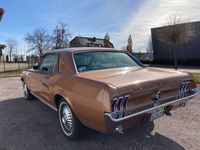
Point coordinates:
[[33, 125]]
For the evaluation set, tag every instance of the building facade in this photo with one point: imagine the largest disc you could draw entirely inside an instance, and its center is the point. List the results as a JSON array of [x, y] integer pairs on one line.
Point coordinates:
[[188, 53]]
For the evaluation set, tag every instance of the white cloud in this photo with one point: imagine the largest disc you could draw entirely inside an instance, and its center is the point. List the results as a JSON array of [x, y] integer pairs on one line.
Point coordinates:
[[154, 13]]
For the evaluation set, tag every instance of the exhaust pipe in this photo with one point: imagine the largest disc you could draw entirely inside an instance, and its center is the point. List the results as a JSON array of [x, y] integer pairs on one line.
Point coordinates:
[[119, 129]]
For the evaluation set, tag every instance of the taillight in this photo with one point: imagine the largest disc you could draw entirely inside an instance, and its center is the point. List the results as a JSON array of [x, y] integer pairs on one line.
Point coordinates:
[[184, 88], [119, 106]]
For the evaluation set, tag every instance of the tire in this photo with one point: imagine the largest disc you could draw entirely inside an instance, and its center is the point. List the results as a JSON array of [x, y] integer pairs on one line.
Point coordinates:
[[69, 123], [27, 94]]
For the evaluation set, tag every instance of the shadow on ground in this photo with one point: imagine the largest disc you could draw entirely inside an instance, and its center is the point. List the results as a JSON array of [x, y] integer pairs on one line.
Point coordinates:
[[33, 125]]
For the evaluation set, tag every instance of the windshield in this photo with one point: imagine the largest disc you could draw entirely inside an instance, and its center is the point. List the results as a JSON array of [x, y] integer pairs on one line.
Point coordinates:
[[87, 61]]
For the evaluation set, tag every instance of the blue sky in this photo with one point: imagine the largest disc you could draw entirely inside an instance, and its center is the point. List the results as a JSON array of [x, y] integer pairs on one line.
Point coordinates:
[[94, 17]]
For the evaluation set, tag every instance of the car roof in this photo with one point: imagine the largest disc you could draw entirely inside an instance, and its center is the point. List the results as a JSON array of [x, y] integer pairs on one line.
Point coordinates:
[[81, 49]]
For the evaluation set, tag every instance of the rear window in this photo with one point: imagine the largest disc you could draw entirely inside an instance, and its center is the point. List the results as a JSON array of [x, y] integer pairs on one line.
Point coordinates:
[[88, 61]]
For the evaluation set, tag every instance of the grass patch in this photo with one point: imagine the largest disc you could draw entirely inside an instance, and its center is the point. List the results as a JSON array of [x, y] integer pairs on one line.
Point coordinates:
[[12, 73], [196, 77]]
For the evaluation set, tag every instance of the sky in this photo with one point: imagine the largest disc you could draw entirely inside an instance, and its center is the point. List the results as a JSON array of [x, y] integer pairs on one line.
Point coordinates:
[[118, 18]]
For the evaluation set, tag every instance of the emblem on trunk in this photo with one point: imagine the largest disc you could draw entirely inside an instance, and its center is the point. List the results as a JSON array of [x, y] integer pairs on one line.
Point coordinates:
[[158, 95]]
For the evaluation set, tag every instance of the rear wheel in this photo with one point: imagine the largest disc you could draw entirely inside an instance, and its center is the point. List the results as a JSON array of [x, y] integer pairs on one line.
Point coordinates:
[[27, 94], [69, 122]]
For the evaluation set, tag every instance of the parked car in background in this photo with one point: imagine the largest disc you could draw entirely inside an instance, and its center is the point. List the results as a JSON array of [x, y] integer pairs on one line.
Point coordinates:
[[105, 89]]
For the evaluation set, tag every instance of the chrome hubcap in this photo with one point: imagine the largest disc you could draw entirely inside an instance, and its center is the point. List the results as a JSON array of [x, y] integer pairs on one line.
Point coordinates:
[[66, 118]]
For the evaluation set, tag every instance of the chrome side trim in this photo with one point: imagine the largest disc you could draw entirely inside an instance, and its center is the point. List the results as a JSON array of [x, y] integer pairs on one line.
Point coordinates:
[[76, 70], [150, 109], [42, 100]]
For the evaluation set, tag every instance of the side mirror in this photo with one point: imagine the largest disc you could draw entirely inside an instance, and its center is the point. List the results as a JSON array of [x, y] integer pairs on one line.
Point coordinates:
[[35, 67], [44, 69]]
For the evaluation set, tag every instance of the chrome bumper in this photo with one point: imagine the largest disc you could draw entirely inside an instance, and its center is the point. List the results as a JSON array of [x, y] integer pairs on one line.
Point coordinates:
[[113, 121]]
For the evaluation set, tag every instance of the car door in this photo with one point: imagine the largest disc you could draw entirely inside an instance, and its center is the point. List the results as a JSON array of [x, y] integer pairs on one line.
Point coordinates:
[[47, 70]]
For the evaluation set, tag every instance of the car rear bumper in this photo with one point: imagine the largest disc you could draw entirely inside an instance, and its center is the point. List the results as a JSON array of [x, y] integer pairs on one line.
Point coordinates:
[[113, 122]]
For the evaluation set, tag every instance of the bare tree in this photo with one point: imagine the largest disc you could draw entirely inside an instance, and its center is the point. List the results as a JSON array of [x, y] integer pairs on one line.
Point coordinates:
[[177, 32], [39, 41], [149, 48], [130, 44], [107, 37], [61, 36], [11, 45]]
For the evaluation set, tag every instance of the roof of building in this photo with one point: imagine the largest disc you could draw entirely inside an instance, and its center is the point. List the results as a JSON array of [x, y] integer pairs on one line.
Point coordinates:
[[79, 41], [179, 24]]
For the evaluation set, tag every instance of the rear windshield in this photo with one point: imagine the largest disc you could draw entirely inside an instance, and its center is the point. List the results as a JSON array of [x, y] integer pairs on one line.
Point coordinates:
[[88, 61]]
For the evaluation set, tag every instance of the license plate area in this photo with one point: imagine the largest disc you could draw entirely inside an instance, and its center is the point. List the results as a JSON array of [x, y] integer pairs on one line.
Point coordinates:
[[157, 113]]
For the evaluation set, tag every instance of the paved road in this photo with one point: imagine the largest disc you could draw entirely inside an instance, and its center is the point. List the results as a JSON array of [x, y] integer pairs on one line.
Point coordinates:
[[32, 125]]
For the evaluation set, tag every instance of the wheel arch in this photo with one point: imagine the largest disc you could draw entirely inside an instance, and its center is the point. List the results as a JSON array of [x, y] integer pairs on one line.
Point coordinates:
[[58, 97], [22, 79]]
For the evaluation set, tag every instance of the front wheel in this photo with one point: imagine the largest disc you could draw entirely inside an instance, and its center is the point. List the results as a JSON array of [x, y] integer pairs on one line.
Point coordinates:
[[69, 122], [27, 94]]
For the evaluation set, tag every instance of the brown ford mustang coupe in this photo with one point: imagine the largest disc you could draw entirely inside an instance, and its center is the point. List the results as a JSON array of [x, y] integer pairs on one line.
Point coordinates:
[[105, 89]]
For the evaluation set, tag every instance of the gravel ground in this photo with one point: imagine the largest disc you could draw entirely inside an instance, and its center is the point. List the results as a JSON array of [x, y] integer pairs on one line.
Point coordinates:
[[32, 125]]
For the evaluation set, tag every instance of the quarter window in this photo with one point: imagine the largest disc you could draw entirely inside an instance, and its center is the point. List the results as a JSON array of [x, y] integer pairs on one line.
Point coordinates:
[[49, 64]]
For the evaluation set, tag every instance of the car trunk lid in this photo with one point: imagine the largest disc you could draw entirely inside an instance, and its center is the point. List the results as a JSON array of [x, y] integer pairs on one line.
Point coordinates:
[[141, 84]]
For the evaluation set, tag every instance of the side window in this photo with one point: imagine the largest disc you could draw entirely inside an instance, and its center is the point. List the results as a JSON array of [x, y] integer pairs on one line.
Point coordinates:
[[49, 64]]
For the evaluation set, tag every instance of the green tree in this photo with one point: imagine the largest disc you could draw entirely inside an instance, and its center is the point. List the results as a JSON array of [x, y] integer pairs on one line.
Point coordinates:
[[130, 44]]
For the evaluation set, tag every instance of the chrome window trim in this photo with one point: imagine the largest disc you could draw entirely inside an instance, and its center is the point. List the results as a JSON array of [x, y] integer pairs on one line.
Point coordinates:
[[76, 70], [111, 50]]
